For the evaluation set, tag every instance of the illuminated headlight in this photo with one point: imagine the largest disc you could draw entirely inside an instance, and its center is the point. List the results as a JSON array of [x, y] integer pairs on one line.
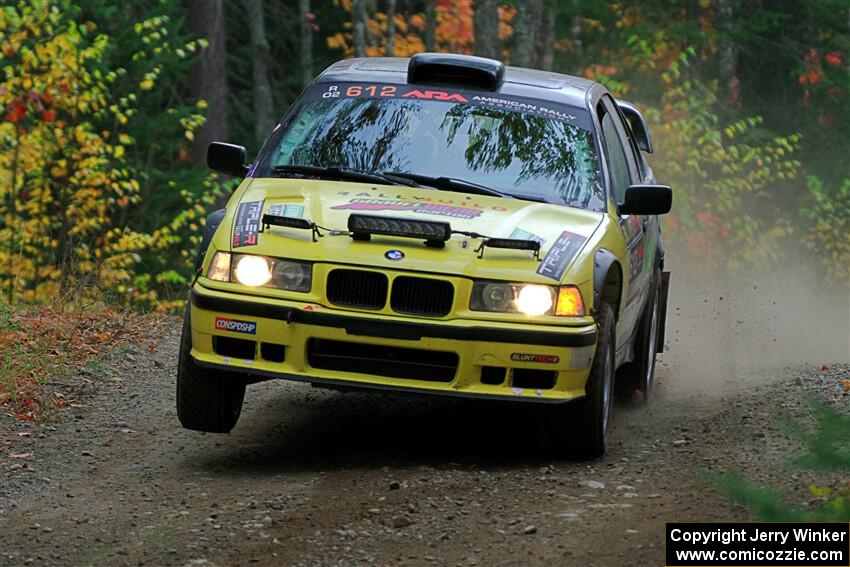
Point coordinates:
[[535, 299], [530, 299], [252, 270], [261, 271]]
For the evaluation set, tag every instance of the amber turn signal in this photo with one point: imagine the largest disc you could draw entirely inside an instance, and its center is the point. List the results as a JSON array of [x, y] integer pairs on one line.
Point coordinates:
[[569, 302]]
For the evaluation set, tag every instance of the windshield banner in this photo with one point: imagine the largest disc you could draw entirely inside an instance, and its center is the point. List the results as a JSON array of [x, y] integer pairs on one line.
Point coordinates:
[[546, 109]]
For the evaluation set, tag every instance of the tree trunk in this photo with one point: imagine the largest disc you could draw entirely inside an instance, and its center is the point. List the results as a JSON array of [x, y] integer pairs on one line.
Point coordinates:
[[728, 49], [485, 22], [209, 76], [546, 41], [358, 13], [575, 37], [525, 32], [390, 26], [430, 25], [263, 104], [306, 42]]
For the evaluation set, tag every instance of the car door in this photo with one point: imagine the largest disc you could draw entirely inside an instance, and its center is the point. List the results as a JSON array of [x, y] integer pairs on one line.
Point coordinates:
[[625, 171]]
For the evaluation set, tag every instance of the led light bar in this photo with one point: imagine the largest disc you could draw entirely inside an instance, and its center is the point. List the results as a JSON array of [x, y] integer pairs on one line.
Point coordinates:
[[289, 222], [435, 233], [510, 244]]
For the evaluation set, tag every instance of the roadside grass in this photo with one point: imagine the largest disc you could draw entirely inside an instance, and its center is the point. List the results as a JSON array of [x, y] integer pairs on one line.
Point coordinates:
[[45, 346], [824, 436]]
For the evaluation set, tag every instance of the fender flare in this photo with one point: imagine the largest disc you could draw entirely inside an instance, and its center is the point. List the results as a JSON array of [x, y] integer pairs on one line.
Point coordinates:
[[603, 262], [213, 220]]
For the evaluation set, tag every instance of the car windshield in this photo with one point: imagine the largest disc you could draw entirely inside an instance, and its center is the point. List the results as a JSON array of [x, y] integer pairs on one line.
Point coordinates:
[[515, 152]]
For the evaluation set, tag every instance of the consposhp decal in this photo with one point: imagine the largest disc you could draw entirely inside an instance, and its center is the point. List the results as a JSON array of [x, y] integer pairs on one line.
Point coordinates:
[[235, 325]]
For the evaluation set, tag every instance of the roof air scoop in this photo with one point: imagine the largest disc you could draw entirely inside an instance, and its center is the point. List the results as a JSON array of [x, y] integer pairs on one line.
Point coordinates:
[[456, 70]]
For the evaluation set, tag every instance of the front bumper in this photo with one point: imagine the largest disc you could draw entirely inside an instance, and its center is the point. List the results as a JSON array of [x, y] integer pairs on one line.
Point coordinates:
[[312, 343]]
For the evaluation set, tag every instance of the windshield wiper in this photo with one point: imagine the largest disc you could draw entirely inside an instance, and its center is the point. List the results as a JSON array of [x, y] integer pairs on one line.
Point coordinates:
[[461, 185], [337, 173], [448, 184]]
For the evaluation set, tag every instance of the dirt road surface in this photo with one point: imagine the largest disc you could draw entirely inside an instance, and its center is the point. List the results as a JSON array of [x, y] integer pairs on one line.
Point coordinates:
[[316, 477]]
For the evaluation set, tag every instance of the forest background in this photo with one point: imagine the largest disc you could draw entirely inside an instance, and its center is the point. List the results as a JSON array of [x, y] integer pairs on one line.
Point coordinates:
[[107, 108]]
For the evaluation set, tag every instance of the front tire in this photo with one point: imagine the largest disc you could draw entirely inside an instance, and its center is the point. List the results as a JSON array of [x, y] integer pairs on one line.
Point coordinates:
[[207, 400], [580, 428]]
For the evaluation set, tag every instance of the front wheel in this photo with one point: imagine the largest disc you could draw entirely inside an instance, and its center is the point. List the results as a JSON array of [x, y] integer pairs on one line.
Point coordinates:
[[580, 428], [207, 400]]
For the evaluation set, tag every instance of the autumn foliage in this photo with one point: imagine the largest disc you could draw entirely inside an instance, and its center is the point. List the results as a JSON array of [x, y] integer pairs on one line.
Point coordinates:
[[67, 186]]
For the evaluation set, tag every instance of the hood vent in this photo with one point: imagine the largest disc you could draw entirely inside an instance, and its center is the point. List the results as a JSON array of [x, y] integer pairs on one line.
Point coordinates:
[[455, 70]]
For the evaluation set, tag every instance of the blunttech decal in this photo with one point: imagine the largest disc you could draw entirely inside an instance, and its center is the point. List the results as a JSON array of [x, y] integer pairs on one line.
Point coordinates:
[[247, 224], [530, 357], [558, 257], [235, 326], [439, 209]]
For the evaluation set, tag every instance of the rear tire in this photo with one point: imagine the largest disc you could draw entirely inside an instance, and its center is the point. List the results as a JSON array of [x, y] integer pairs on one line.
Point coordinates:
[[634, 379], [580, 428], [207, 400]]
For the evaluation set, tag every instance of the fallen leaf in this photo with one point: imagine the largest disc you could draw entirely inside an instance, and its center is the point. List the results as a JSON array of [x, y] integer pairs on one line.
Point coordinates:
[[824, 368], [20, 455], [845, 384]]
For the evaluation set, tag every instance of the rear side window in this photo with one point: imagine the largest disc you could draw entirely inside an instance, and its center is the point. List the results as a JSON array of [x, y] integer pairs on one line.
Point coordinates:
[[617, 164]]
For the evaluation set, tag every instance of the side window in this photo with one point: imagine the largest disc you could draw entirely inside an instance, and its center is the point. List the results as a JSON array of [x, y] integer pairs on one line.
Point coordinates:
[[620, 178], [639, 161]]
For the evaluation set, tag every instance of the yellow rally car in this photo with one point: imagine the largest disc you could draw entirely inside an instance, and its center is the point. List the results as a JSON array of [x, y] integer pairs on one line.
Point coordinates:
[[443, 225]]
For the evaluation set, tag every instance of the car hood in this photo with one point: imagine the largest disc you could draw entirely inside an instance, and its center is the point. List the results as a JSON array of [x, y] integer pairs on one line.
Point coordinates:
[[329, 204]]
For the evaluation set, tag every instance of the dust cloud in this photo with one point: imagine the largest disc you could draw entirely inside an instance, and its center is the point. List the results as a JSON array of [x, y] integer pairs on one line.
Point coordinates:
[[726, 331]]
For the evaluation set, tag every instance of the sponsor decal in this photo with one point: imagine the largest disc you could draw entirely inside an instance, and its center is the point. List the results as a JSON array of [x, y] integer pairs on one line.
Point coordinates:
[[636, 254], [561, 253], [394, 255], [524, 106], [235, 325], [529, 357], [443, 210], [521, 234], [435, 95], [291, 211], [247, 224]]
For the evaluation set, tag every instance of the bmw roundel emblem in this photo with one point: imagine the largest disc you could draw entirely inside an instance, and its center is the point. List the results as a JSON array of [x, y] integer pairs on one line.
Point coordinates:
[[394, 255]]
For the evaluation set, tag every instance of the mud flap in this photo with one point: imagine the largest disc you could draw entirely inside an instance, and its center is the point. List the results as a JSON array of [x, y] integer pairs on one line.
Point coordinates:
[[662, 298]]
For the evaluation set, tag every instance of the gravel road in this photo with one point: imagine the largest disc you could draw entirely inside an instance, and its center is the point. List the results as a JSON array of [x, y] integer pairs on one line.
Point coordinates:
[[315, 477]]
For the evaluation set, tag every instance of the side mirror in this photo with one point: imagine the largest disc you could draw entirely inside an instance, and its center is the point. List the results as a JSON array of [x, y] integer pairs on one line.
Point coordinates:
[[646, 200], [227, 158]]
